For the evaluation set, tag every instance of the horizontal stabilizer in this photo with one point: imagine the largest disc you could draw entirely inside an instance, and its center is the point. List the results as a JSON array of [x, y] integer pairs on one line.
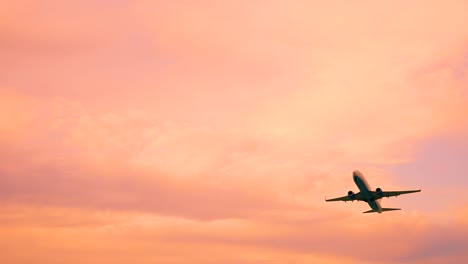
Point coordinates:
[[390, 209], [383, 210]]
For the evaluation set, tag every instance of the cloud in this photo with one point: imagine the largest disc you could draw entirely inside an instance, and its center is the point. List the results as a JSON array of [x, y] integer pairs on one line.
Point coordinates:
[[131, 161], [163, 238], [15, 116], [288, 140], [57, 28], [75, 233], [100, 156], [158, 131]]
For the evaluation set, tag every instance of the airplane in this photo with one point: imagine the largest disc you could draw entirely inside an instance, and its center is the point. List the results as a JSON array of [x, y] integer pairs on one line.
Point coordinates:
[[369, 196]]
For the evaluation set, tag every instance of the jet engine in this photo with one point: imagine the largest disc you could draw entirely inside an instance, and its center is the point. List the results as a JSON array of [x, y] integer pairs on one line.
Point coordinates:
[[379, 192], [351, 195]]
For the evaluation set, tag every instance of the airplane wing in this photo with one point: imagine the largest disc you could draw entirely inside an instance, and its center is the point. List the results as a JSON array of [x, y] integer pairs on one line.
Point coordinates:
[[394, 193], [345, 198]]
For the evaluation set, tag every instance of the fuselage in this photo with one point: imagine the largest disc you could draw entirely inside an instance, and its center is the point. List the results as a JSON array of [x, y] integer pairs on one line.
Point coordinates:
[[366, 191]]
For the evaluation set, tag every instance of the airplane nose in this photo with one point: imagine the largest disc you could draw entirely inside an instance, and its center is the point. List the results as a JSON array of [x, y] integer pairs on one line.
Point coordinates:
[[356, 175]]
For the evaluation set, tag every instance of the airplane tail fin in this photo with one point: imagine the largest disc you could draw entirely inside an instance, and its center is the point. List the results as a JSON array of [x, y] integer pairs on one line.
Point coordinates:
[[383, 210]]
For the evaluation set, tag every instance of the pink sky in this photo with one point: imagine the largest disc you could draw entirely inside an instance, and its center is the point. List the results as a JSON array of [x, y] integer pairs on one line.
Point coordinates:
[[210, 132]]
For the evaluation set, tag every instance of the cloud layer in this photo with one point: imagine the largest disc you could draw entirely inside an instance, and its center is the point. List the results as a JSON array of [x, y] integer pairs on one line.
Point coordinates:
[[175, 132]]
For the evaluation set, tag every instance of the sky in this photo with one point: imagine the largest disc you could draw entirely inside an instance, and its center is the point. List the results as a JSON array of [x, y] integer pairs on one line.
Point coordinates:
[[211, 131]]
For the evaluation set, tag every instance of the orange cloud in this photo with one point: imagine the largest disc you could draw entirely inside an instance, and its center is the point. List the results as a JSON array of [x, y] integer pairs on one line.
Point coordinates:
[[16, 116], [171, 132], [148, 237]]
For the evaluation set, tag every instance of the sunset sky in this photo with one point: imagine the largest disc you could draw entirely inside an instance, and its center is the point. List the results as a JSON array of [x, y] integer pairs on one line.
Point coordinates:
[[210, 132]]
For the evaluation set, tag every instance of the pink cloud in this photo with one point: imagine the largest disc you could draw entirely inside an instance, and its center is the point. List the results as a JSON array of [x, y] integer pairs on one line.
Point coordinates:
[[15, 116], [330, 241], [148, 117]]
